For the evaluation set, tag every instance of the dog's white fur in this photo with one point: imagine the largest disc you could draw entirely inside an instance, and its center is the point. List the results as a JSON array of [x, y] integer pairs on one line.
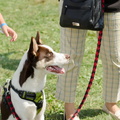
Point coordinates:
[[26, 110]]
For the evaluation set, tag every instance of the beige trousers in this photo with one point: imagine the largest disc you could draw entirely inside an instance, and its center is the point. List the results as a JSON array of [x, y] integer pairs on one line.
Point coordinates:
[[73, 42]]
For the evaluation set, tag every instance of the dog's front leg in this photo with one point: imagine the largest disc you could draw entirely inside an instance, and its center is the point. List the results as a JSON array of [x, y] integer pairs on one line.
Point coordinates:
[[29, 113], [40, 117]]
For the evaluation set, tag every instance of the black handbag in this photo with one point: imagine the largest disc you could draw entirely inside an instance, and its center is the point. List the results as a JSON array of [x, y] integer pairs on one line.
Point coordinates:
[[82, 14]]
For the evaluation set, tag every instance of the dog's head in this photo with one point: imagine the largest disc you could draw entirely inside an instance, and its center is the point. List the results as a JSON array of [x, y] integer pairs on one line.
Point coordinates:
[[42, 58], [45, 58]]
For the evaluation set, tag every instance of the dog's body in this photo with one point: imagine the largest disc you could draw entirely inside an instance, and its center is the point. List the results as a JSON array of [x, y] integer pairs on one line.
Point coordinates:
[[31, 76]]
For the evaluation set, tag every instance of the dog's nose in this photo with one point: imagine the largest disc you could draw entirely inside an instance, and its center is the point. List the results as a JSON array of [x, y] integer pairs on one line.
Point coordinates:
[[67, 56]]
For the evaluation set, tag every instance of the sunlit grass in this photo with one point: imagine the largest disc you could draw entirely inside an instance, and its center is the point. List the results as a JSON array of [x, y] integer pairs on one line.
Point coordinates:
[[27, 17]]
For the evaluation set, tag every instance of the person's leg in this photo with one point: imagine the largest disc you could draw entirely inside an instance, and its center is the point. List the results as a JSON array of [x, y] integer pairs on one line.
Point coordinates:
[[69, 110], [112, 107], [72, 43], [110, 56]]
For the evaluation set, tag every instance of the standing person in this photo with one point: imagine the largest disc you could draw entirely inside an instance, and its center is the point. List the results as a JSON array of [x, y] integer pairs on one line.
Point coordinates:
[[7, 30], [73, 43]]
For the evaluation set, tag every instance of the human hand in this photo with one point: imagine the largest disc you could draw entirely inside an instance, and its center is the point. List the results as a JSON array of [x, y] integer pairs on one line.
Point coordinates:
[[9, 32]]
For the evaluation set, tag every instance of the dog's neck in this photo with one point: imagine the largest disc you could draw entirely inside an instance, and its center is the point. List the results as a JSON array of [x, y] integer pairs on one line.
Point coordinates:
[[33, 82]]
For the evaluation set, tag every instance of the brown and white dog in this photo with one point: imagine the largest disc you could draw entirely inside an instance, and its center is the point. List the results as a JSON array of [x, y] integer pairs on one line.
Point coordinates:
[[27, 84]]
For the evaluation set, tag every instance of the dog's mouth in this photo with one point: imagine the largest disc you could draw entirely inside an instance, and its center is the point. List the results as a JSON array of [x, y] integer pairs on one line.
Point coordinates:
[[55, 69]]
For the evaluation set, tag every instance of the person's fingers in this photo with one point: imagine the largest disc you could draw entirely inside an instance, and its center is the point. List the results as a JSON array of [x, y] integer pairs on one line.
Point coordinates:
[[6, 32], [12, 33], [9, 32], [14, 36]]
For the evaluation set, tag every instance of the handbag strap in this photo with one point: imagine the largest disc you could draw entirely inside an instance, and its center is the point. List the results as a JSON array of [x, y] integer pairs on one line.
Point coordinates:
[[93, 70]]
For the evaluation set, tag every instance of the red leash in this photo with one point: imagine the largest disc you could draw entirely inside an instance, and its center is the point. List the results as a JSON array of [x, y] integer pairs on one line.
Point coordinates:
[[93, 70], [8, 98], [92, 75]]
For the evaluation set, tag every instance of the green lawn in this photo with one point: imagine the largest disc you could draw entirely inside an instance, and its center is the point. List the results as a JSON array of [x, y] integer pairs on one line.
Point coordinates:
[[27, 17]]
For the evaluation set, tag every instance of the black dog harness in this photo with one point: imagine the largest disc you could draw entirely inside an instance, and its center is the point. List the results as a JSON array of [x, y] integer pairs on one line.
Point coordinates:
[[37, 98]]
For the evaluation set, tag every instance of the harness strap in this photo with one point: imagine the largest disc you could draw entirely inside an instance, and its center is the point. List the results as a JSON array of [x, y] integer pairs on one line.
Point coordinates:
[[37, 98]]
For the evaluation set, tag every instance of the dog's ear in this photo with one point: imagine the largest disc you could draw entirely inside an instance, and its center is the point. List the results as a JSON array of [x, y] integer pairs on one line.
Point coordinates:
[[38, 40], [33, 46]]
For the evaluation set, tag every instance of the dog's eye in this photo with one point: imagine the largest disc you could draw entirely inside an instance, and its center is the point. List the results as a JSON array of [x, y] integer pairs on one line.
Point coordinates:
[[50, 54], [47, 58]]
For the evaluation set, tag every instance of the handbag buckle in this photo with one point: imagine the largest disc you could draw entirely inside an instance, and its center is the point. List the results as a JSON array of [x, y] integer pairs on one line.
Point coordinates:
[[75, 24]]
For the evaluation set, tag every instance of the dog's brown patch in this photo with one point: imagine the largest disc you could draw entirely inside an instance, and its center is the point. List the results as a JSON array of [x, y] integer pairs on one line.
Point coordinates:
[[44, 53]]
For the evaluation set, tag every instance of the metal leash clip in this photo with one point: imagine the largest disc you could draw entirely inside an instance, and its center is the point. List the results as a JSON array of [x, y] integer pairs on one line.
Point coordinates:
[[6, 87]]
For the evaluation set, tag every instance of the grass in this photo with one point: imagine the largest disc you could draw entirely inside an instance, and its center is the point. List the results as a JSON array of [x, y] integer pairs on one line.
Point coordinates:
[[28, 16]]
